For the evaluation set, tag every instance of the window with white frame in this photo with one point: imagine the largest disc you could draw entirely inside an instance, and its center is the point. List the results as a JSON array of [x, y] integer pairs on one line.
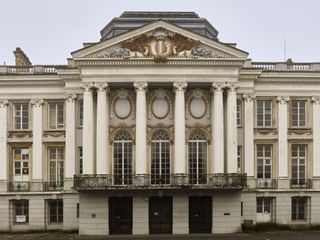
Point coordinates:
[[56, 115], [239, 152], [81, 113], [298, 113], [122, 158], [55, 210], [160, 158], [21, 116], [21, 161], [264, 161], [264, 113], [299, 208], [264, 205], [56, 162], [197, 154], [239, 109], [20, 211], [298, 164], [80, 160]]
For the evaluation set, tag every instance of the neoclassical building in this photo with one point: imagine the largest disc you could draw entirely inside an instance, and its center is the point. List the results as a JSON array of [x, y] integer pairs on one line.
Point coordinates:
[[159, 127]]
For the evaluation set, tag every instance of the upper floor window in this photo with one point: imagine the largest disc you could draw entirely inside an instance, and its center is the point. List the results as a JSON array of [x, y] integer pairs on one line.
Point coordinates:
[[264, 161], [239, 112], [197, 149], [80, 113], [56, 112], [80, 160], [298, 113], [264, 113], [239, 153], [56, 162], [298, 164], [160, 158], [21, 162], [21, 116]]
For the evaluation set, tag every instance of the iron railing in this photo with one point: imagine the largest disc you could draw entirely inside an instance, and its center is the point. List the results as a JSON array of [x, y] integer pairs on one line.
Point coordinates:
[[19, 186], [266, 183], [53, 186], [143, 181], [300, 183]]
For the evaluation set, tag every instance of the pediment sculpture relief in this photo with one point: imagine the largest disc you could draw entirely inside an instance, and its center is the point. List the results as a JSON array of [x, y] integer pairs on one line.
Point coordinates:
[[160, 45]]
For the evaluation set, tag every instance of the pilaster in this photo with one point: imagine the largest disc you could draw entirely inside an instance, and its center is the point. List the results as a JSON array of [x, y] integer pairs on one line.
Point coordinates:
[[316, 136], [3, 145]]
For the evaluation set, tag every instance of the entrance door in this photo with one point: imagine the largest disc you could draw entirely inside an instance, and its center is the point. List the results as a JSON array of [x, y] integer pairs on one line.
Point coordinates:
[[160, 215], [264, 210], [200, 214], [120, 215]]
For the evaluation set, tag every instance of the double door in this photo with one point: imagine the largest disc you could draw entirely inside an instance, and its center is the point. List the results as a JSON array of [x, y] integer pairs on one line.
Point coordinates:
[[120, 215], [200, 214], [160, 215]]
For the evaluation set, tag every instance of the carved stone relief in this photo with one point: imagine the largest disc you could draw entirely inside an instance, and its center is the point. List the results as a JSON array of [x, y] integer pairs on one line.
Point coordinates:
[[122, 104]]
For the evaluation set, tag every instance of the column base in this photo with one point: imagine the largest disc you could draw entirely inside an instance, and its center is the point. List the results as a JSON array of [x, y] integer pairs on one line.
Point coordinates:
[[4, 186], [141, 180], [283, 182], [180, 179], [36, 185], [68, 184]]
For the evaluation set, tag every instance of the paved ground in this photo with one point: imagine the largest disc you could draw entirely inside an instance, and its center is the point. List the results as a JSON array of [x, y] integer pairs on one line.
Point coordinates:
[[303, 235]]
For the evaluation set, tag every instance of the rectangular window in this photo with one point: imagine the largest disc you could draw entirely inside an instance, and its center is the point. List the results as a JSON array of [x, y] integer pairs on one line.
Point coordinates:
[[55, 211], [264, 204], [56, 162], [21, 116], [21, 211], [264, 161], [238, 113], [264, 113], [21, 161], [56, 112], [78, 210], [298, 113], [81, 113], [80, 161], [298, 168], [299, 208], [239, 158]]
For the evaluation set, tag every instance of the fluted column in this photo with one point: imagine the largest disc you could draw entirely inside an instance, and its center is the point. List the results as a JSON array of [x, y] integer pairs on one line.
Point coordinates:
[[70, 139], [3, 145], [218, 128], [316, 136], [37, 154], [232, 129], [249, 134], [141, 130], [179, 131], [102, 129], [88, 129]]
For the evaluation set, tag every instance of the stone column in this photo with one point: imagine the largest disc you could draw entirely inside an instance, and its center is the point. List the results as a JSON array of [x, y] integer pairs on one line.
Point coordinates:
[[218, 129], [88, 129], [37, 154], [249, 137], [102, 129], [141, 133], [179, 134], [70, 140], [3, 145], [316, 136], [232, 129], [283, 181]]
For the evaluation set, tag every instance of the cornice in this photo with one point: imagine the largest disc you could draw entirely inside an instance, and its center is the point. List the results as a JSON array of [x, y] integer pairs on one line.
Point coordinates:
[[23, 83], [280, 80]]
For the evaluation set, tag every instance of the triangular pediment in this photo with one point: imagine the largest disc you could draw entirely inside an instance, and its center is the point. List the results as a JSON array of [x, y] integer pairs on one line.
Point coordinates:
[[159, 41]]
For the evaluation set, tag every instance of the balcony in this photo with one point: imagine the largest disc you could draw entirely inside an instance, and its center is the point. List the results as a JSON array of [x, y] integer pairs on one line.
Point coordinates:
[[19, 186], [266, 183], [300, 183], [53, 186], [179, 181]]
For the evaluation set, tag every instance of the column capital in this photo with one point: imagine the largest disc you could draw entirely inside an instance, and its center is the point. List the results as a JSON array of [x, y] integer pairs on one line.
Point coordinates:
[[283, 99], [140, 86], [70, 97], [315, 100], [87, 86], [3, 103], [231, 86], [180, 86], [218, 86], [249, 97], [101, 86], [37, 102]]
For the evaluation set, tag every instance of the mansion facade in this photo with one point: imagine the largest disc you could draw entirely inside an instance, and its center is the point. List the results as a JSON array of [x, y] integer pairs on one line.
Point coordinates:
[[159, 128]]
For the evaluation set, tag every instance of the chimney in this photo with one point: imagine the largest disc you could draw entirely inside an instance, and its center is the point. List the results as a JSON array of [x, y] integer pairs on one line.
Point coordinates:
[[21, 58]]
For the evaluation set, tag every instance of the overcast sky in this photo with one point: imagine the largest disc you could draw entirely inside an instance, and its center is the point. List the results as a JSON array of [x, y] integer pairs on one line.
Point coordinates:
[[49, 30]]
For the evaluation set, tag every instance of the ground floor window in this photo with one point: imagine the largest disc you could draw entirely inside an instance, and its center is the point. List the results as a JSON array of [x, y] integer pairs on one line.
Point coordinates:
[[21, 211], [55, 209], [300, 208]]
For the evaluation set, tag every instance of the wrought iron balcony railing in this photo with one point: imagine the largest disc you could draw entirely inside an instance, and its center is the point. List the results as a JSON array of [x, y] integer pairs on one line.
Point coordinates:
[[266, 183], [53, 186], [143, 181], [300, 183], [19, 186]]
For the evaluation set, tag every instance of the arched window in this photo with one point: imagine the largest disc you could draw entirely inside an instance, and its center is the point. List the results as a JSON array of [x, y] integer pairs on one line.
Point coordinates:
[[197, 149], [122, 158], [160, 158]]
